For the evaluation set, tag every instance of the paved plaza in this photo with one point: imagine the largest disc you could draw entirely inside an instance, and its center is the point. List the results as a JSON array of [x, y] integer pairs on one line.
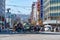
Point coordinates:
[[29, 37]]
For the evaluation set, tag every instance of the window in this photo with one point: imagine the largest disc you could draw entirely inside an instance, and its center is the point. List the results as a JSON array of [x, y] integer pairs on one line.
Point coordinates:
[[54, 14], [54, 1], [55, 8]]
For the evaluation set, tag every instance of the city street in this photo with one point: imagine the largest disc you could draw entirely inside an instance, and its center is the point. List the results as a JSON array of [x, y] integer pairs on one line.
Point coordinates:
[[29, 19], [29, 37]]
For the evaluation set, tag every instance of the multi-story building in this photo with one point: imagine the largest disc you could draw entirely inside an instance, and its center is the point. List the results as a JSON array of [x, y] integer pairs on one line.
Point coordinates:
[[51, 9], [32, 13], [2, 13], [35, 15], [37, 12], [40, 12], [46, 4]]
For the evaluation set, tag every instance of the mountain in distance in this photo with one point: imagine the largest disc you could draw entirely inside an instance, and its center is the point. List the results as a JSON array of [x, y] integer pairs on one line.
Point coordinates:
[[23, 17]]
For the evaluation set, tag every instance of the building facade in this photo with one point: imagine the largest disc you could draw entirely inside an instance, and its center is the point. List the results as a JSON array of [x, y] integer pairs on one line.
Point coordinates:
[[32, 14], [37, 12], [40, 12], [51, 9], [35, 15], [2, 13]]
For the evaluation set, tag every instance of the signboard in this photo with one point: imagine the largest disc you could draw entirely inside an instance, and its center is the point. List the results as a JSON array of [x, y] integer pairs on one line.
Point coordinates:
[[41, 7]]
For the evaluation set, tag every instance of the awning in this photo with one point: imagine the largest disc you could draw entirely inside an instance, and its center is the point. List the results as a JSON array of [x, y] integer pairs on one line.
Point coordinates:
[[52, 22], [47, 26]]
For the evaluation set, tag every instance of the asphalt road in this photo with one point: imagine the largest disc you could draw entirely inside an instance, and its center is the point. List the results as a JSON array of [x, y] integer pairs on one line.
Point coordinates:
[[29, 37]]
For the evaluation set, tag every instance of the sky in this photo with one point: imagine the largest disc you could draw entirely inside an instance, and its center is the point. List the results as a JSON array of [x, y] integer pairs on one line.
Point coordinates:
[[20, 6]]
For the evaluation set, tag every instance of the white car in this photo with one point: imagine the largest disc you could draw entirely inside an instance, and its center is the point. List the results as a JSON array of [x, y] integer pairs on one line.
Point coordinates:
[[46, 29]]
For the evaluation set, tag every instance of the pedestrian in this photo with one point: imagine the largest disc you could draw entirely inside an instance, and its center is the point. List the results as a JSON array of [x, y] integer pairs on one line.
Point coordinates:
[[42, 29], [31, 28], [57, 29], [19, 27], [37, 28]]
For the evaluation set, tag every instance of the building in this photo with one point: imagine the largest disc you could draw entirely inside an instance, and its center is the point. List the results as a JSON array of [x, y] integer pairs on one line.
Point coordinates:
[[34, 16], [38, 9], [2, 13], [52, 11], [40, 12], [37, 12], [46, 4], [31, 16]]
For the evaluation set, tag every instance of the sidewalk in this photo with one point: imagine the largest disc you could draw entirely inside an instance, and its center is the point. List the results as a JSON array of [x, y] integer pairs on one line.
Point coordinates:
[[53, 33]]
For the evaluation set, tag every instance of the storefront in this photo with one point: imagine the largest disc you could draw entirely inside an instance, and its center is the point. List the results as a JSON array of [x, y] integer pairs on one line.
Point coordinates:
[[54, 23]]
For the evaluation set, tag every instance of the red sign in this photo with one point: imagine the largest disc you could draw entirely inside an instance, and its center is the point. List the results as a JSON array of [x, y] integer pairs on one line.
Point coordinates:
[[38, 6]]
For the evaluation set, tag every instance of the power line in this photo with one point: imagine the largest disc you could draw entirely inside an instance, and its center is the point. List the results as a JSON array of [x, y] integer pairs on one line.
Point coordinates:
[[19, 6], [24, 7]]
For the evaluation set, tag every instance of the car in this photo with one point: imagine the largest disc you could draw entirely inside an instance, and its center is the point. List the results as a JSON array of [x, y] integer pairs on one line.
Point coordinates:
[[26, 27]]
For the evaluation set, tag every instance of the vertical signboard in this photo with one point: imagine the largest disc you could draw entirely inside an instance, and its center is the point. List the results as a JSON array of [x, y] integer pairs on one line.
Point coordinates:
[[41, 11]]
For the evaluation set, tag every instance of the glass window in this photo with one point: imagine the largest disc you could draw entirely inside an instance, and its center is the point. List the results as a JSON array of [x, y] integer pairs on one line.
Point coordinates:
[[54, 14], [46, 5], [55, 8], [53, 1], [59, 14]]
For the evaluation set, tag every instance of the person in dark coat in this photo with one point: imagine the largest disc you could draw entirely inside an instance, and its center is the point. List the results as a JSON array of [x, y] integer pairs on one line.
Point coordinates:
[[37, 28], [31, 28], [19, 27]]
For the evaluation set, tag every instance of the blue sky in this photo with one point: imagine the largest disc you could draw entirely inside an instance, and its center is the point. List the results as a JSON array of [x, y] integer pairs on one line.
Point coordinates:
[[24, 6]]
